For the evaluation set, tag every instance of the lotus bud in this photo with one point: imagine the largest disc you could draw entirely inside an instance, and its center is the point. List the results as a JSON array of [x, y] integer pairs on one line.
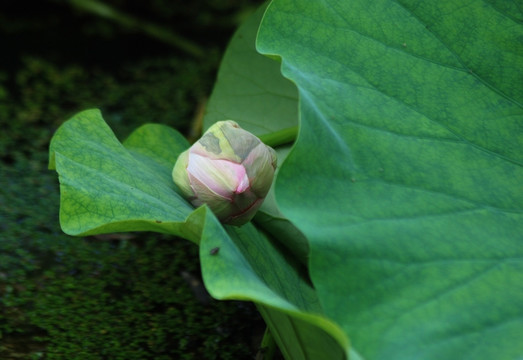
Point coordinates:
[[229, 169]]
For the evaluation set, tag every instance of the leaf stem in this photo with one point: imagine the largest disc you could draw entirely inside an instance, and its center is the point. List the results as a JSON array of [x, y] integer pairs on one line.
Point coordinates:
[[280, 137], [267, 346], [158, 32]]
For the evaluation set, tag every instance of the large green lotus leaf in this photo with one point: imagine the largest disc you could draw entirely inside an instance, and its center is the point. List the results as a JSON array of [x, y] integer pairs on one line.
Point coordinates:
[[250, 89], [107, 186], [407, 174]]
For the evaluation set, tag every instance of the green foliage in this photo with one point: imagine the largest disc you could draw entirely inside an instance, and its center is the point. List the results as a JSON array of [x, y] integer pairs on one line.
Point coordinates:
[[405, 180], [249, 88], [413, 190], [107, 187]]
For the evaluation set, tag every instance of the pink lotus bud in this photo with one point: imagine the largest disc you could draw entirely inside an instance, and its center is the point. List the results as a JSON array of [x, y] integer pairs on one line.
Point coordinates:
[[229, 169]]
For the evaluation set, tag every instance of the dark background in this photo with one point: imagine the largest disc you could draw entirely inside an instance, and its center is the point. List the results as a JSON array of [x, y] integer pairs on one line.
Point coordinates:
[[119, 296]]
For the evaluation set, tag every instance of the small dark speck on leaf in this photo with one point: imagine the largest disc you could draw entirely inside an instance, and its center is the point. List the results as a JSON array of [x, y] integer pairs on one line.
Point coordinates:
[[214, 251], [158, 221]]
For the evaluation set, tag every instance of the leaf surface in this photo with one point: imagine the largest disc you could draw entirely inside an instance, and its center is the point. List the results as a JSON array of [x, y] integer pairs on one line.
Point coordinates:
[[407, 174], [255, 267], [250, 89], [106, 187]]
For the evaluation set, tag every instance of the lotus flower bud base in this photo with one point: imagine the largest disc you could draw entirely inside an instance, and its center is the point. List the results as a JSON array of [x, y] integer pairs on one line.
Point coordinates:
[[229, 169]]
